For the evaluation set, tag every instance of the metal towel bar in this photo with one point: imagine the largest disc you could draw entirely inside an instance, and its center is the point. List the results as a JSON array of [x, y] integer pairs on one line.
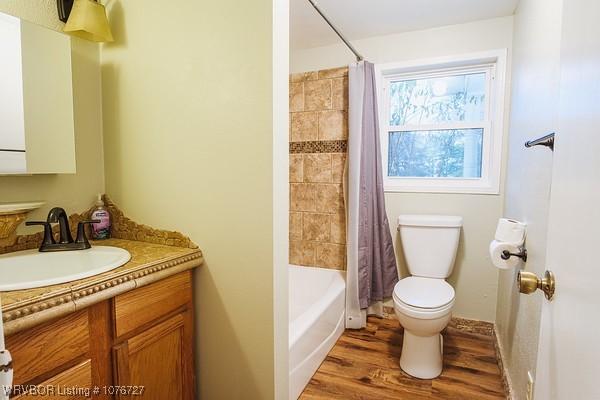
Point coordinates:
[[547, 141]]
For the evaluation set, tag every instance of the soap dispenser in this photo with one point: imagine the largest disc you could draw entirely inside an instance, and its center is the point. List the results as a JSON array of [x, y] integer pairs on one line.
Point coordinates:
[[100, 230]]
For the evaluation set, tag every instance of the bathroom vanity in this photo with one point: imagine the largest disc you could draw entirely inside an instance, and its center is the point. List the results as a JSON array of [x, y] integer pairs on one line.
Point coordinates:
[[122, 333]]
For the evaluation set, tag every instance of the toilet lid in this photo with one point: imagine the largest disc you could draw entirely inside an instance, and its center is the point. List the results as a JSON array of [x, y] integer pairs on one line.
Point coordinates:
[[424, 292]]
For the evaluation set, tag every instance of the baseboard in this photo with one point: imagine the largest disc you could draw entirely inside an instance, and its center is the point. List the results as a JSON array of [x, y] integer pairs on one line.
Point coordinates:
[[388, 312], [502, 365], [472, 326]]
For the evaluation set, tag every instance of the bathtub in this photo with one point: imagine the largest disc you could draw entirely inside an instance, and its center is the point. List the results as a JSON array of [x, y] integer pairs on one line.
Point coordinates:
[[317, 304]]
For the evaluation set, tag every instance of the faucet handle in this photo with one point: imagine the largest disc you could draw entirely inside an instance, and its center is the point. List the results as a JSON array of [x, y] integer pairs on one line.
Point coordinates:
[[81, 236], [48, 236]]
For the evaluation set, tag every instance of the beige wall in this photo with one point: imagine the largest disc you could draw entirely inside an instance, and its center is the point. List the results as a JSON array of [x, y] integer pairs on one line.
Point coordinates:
[[188, 126], [474, 279], [75, 192], [536, 73], [318, 134]]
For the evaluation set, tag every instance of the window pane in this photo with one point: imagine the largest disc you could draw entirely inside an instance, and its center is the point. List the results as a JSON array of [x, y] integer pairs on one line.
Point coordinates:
[[454, 153], [454, 98]]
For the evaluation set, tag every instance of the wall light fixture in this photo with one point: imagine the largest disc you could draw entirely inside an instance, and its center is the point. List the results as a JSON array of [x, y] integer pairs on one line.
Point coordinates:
[[85, 19]]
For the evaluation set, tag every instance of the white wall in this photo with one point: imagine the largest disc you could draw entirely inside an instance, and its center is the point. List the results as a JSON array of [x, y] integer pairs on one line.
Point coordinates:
[[536, 74], [447, 40], [474, 279]]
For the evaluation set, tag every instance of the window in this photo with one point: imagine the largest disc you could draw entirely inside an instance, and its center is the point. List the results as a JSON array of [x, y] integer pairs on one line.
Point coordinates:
[[441, 124]]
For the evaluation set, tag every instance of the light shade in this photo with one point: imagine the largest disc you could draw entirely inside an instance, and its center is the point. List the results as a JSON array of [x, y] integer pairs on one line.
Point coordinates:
[[88, 21]]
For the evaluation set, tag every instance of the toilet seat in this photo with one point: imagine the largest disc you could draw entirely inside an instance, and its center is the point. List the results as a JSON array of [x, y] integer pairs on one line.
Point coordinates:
[[423, 298]]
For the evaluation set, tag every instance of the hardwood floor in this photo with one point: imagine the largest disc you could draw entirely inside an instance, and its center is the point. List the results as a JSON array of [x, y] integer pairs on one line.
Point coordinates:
[[364, 365]]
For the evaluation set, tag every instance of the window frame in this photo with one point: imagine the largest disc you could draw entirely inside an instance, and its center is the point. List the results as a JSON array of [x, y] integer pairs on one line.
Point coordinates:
[[493, 63]]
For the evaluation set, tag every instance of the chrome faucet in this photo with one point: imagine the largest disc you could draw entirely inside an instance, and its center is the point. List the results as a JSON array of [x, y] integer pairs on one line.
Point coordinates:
[[65, 241]]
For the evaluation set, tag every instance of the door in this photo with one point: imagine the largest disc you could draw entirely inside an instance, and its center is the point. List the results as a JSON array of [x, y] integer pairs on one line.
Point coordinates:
[[157, 363], [569, 347]]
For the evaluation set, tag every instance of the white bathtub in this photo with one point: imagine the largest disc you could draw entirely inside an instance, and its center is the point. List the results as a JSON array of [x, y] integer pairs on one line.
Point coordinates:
[[317, 303]]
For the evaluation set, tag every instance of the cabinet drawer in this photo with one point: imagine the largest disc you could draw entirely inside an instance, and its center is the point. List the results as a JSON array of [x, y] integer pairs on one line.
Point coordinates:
[[72, 384], [143, 305], [47, 347]]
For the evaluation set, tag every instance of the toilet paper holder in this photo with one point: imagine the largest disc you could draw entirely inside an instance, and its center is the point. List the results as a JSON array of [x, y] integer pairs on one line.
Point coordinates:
[[522, 254]]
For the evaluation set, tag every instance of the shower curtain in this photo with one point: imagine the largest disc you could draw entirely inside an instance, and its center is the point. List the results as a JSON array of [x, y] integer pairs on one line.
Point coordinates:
[[371, 262]]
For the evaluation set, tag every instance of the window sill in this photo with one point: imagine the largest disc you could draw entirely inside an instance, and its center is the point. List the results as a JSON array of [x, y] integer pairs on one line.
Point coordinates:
[[490, 191]]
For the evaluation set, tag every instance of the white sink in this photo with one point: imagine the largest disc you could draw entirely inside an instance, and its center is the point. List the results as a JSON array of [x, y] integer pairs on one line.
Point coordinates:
[[31, 269]]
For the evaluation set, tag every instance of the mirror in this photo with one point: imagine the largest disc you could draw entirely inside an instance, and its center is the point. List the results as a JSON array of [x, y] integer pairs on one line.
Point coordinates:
[[36, 99]]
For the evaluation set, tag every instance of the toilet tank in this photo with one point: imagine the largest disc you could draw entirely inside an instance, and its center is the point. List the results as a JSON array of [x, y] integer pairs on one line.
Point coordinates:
[[429, 243]]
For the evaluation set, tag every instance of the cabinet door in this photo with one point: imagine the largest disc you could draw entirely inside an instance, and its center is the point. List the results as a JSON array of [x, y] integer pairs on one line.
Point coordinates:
[[72, 384], [43, 350], [63, 354], [160, 359]]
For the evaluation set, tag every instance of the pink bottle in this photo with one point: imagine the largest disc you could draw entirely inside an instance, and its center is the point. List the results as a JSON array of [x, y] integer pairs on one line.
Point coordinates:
[[100, 230]]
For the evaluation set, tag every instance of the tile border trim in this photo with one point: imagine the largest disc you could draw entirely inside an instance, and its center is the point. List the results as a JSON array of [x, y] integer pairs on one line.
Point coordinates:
[[319, 146]]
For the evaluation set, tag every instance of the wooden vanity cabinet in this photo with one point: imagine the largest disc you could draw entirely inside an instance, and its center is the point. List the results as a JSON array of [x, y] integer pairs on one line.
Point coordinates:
[[154, 331], [138, 340], [54, 354]]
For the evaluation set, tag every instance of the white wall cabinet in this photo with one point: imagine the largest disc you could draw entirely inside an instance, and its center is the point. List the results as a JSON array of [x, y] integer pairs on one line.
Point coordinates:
[[36, 99]]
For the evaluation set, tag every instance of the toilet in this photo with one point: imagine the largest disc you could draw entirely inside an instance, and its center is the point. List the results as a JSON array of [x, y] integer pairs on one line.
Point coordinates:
[[423, 301]]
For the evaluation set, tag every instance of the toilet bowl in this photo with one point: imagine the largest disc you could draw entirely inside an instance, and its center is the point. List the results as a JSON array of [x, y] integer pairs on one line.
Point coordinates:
[[424, 308], [423, 301]]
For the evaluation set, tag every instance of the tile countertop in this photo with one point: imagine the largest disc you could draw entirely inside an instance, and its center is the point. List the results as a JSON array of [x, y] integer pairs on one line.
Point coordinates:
[[22, 309]]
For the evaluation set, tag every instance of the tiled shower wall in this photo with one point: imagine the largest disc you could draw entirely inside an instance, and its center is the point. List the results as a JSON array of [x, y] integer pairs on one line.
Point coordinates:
[[318, 142]]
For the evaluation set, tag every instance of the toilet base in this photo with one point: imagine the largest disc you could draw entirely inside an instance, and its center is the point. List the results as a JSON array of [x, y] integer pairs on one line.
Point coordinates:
[[422, 355]]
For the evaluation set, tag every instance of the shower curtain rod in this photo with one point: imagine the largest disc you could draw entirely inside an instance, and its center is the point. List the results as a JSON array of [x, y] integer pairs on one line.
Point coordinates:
[[359, 57]]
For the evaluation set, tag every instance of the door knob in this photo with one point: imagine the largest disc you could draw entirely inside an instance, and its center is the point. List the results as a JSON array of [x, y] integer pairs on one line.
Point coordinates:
[[529, 282]]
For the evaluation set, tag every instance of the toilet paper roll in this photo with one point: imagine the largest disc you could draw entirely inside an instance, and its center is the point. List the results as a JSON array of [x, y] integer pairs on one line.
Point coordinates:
[[496, 249], [510, 231]]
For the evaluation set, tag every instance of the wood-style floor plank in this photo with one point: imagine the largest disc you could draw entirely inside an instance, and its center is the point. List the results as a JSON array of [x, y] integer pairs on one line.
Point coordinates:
[[364, 365]]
